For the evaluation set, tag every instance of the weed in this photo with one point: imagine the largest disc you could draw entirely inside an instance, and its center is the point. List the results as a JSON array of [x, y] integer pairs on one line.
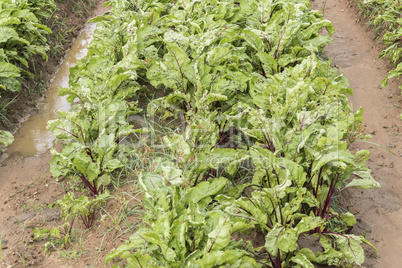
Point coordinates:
[[23, 225], [324, 7], [36, 207], [70, 254], [4, 111], [1, 248], [22, 257]]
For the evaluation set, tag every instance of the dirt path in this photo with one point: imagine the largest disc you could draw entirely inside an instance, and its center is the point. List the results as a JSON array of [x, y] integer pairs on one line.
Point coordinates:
[[356, 54]]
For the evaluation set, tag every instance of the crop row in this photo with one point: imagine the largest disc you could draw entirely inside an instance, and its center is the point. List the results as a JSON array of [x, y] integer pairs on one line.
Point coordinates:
[[263, 145], [22, 35]]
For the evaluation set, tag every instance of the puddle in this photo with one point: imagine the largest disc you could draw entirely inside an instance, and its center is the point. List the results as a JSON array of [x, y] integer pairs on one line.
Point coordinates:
[[33, 138]]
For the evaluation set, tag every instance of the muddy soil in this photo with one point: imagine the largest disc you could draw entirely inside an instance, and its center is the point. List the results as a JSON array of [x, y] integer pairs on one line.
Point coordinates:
[[379, 212]]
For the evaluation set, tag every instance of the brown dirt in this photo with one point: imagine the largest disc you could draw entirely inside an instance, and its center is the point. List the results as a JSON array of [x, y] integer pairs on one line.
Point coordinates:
[[379, 212]]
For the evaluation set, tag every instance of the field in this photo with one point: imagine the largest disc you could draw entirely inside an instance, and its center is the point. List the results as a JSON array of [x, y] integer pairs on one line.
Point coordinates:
[[205, 134]]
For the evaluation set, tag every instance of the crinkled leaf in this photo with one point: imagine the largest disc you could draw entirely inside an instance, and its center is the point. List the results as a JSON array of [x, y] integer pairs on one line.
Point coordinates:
[[6, 138], [8, 70], [363, 180], [205, 189]]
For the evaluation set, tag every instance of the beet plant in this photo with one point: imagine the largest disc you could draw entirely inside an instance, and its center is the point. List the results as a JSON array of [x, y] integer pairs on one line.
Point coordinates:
[[184, 229], [91, 144]]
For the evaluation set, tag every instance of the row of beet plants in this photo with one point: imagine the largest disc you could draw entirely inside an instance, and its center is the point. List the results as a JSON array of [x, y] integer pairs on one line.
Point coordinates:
[[22, 35], [263, 145], [102, 90]]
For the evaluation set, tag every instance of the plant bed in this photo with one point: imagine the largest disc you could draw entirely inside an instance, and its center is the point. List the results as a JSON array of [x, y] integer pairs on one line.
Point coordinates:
[[262, 145]]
